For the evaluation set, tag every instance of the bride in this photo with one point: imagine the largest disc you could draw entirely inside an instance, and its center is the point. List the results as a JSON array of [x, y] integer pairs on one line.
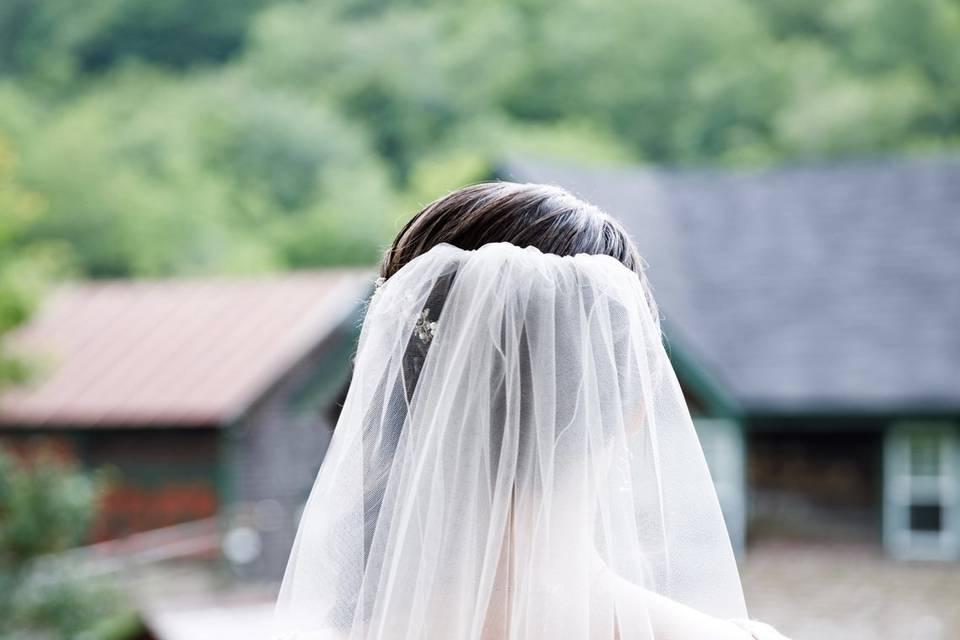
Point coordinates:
[[514, 459]]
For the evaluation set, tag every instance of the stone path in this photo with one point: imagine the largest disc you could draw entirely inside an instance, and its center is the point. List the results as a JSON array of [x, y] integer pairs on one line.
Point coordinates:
[[842, 593]]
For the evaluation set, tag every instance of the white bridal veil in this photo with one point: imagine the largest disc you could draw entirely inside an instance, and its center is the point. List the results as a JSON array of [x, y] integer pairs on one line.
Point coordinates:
[[514, 461]]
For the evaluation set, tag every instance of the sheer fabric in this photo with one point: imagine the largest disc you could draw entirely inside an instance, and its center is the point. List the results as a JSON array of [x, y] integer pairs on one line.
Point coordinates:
[[514, 461]]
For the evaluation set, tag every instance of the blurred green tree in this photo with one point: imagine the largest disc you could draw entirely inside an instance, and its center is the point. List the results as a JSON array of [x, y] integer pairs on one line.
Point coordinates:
[[46, 502], [151, 174], [410, 74], [175, 33], [46, 506], [25, 268], [56, 39], [223, 135]]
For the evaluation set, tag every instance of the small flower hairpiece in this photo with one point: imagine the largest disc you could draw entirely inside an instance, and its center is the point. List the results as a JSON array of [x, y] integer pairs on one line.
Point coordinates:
[[425, 328]]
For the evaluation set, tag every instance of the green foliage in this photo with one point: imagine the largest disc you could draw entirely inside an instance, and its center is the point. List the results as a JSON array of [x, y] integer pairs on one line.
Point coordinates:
[[151, 174], [46, 505], [410, 74], [57, 604], [177, 33], [52, 40], [169, 136], [25, 268], [837, 114]]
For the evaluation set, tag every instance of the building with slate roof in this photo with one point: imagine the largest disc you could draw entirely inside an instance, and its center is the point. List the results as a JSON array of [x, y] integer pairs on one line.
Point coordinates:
[[210, 397], [813, 316]]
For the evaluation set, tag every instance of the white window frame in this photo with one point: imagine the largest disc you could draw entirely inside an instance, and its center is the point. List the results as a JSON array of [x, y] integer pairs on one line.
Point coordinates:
[[723, 444], [903, 488]]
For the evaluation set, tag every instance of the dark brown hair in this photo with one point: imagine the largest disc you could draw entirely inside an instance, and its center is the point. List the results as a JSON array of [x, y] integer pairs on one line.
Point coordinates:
[[539, 215], [547, 217]]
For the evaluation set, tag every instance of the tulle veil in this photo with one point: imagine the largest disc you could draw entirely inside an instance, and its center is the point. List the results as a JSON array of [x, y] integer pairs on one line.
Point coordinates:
[[514, 447]]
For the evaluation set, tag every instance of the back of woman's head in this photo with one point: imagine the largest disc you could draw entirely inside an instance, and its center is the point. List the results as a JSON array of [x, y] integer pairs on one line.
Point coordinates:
[[524, 214]]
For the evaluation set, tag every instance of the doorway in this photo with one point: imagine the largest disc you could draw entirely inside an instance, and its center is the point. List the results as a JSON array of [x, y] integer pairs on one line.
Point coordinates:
[[818, 486]]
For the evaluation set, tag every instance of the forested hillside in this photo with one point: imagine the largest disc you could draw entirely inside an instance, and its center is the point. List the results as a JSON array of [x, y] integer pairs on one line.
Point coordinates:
[[144, 137]]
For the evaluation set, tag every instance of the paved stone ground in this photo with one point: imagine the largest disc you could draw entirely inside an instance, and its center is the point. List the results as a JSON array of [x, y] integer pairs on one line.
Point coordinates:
[[808, 592], [850, 593]]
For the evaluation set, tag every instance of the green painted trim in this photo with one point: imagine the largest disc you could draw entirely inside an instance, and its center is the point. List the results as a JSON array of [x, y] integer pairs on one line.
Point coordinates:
[[223, 480], [333, 382], [830, 422], [318, 394], [717, 401], [854, 415], [324, 386]]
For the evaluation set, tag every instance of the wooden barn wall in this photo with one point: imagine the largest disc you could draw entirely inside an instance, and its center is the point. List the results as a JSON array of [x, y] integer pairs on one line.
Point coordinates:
[[158, 477], [273, 453]]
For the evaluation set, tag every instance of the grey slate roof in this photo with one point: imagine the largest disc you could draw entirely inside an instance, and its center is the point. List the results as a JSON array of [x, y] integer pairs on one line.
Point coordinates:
[[821, 288]]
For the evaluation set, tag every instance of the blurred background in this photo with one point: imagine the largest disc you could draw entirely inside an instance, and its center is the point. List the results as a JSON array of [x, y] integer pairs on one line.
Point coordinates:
[[194, 194]]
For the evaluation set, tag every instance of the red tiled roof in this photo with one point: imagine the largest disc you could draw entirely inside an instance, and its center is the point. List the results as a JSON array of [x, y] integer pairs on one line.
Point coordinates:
[[191, 351]]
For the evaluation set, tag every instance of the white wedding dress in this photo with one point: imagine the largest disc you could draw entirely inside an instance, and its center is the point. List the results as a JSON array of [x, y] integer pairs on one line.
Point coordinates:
[[514, 461]]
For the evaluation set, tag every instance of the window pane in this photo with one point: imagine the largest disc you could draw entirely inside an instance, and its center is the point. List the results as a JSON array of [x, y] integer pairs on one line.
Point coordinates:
[[925, 455], [925, 517]]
